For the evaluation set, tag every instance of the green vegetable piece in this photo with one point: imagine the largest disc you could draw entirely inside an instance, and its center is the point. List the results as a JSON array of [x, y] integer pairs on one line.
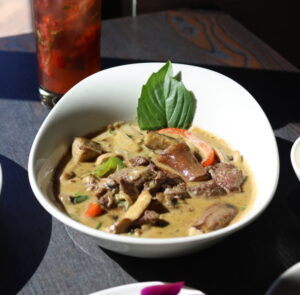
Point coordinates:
[[126, 205], [165, 102], [120, 203], [99, 225], [109, 166], [123, 203], [132, 231], [78, 198]]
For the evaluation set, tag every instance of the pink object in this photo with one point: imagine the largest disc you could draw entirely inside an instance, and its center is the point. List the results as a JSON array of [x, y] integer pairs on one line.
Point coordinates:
[[167, 289]]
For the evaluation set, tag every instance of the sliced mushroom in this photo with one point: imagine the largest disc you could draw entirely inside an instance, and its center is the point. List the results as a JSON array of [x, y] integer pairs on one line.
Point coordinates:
[[215, 217], [132, 214], [180, 158]]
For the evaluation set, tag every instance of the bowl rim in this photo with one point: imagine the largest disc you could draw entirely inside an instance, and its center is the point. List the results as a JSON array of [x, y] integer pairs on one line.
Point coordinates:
[[64, 218]]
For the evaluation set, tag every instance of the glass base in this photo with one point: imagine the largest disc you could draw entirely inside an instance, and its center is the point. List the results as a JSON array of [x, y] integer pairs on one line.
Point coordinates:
[[48, 98]]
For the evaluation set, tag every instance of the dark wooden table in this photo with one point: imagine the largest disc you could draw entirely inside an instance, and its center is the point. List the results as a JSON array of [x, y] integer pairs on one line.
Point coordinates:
[[39, 255]]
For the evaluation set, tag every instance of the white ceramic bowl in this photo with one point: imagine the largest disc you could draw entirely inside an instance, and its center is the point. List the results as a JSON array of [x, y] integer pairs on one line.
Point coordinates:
[[223, 108], [295, 157]]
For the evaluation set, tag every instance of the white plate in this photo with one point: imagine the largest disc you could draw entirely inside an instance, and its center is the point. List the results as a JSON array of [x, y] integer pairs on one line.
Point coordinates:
[[135, 289], [288, 283]]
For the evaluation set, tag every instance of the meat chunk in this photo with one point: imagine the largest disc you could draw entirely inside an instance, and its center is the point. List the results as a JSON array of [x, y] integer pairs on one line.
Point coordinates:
[[170, 196], [178, 191], [215, 217], [100, 186], [154, 141], [166, 179], [227, 176], [107, 200], [149, 217], [180, 158], [139, 161], [132, 180], [91, 182], [162, 180], [130, 175], [166, 201], [84, 149], [208, 188]]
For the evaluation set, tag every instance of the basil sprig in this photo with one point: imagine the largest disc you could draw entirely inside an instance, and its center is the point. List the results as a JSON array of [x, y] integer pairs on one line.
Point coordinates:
[[165, 102]]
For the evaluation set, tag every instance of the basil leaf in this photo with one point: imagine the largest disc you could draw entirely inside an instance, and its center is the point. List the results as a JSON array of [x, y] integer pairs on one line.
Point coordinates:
[[151, 104], [180, 106], [109, 166], [78, 198], [165, 102]]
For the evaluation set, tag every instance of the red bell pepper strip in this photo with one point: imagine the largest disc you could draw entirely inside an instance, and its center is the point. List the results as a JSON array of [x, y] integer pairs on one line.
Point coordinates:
[[209, 152]]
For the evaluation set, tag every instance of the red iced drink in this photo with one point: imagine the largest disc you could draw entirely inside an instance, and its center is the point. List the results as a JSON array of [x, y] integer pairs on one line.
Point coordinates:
[[68, 41]]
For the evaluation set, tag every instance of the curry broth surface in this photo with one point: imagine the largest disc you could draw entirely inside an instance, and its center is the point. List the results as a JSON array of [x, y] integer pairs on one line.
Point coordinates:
[[127, 140]]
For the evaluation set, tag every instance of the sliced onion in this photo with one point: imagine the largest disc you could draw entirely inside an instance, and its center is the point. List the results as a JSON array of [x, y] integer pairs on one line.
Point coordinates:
[[166, 289]]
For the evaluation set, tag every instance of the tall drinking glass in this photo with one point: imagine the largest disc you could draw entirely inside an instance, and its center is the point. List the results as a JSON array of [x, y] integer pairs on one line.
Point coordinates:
[[68, 44]]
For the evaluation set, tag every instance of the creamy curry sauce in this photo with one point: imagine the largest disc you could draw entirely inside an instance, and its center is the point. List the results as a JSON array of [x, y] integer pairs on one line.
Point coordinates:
[[127, 141]]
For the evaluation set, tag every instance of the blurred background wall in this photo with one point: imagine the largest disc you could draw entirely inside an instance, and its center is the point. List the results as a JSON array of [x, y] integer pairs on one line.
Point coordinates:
[[15, 17]]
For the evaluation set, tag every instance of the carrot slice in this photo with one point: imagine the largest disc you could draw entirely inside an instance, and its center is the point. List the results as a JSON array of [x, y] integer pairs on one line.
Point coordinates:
[[93, 210], [209, 152]]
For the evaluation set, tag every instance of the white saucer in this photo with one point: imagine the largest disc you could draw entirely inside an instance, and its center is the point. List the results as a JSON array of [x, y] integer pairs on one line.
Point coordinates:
[[288, 283], [135, 289]]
